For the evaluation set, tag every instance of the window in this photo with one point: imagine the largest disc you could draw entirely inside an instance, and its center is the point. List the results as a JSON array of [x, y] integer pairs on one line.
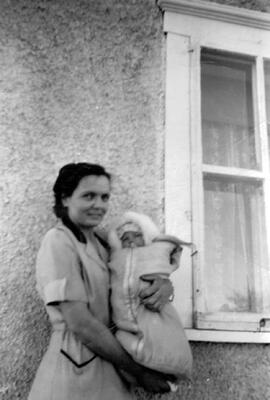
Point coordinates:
[[217, 174]]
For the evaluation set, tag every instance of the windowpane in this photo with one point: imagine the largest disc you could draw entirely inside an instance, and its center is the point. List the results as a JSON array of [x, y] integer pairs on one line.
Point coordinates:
[[235, 247], [267, 95], [228, 133]]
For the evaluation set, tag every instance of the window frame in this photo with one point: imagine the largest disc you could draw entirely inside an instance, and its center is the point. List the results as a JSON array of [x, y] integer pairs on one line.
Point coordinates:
[[189, 27]]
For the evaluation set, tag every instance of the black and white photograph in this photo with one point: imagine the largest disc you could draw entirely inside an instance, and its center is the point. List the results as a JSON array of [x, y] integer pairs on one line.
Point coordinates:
[[135, 200]]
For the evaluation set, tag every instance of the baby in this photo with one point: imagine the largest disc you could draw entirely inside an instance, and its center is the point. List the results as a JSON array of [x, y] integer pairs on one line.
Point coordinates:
[[138, 250]]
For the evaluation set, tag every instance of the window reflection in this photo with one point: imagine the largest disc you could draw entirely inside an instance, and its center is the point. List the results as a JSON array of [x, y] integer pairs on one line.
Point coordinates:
[[228, 132]]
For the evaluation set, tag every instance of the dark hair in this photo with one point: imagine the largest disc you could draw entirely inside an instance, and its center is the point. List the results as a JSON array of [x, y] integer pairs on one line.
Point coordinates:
[[68, 179]]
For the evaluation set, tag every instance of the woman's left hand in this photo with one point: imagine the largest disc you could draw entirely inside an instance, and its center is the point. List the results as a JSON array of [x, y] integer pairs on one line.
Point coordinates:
[[157, 294]]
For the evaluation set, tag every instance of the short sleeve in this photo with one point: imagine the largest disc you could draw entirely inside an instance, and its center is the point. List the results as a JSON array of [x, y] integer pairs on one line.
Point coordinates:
[[58, 269]]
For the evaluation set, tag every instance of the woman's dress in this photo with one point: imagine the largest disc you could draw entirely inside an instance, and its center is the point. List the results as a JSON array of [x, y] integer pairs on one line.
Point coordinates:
[[69, 270]]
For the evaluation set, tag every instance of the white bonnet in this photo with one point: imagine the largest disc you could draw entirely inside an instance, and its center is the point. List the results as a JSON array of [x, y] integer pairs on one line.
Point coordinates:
[[146, 225]]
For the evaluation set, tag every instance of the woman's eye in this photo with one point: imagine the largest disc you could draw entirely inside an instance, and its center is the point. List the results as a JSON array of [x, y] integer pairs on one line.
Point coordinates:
[[89, 196], [105, 197]]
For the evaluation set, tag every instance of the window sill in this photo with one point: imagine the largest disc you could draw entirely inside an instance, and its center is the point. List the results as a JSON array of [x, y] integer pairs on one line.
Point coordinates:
[[197, 335]]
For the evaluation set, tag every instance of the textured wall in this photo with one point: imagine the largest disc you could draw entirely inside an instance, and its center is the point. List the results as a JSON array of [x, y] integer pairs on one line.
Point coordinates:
[[79, 80], [84, 80]]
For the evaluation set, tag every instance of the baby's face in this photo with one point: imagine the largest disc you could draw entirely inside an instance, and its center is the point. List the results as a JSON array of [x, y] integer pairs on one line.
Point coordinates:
[[132, 239]]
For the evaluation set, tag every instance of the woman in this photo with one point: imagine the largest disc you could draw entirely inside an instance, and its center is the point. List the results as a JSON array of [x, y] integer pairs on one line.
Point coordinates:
[[84, 360]]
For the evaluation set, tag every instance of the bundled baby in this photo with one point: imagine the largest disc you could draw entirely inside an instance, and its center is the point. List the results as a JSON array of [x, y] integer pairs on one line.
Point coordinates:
[[156, 340]]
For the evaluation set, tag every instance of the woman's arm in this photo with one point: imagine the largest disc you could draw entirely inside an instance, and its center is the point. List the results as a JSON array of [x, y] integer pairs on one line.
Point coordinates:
[[99, 339]]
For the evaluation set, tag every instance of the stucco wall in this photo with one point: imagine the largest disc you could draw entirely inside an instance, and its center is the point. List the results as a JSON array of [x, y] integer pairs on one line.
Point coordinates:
[[84, 80]]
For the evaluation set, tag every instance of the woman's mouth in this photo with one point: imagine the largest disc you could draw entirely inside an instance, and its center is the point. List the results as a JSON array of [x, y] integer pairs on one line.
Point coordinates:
[[95, 215]]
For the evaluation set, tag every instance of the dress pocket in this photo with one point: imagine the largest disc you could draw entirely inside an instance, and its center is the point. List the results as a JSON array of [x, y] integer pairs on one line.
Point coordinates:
[[74, 362], [76, 352]]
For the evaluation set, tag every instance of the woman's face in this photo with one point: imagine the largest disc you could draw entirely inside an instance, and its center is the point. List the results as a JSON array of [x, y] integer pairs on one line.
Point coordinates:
[[89, 202]]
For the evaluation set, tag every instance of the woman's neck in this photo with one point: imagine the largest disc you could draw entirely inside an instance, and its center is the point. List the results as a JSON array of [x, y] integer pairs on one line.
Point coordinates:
[[88, 233]]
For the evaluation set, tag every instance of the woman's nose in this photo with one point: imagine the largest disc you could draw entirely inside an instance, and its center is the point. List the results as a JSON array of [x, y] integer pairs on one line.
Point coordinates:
[[99, 202]]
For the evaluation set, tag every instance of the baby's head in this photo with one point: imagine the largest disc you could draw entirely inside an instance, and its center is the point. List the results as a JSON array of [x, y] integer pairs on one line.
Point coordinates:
[[132, 230], [130, 235]]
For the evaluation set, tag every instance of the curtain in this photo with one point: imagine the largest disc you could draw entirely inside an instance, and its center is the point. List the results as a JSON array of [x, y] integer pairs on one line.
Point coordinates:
[[235, 248], [234, 230]]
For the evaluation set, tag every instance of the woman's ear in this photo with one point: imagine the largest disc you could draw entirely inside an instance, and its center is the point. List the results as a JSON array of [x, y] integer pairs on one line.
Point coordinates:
[[65, 201]]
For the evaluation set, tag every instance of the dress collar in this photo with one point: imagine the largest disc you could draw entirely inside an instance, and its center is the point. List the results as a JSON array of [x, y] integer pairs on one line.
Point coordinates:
[[80, 236]]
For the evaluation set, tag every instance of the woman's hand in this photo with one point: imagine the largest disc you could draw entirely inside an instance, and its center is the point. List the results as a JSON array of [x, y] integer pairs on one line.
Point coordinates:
[[153, 381], [157, 294]]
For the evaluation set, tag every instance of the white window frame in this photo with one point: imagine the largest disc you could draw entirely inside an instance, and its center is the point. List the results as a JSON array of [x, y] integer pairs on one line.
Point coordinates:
[[190, 26]]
